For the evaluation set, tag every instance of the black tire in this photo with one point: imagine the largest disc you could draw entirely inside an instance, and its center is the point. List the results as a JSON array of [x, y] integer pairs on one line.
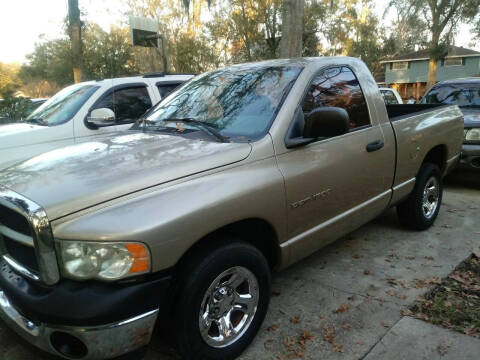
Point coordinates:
[[203, 268], [411, 211]]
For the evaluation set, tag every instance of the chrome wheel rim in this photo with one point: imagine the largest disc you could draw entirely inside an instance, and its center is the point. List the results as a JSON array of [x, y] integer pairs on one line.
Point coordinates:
[[228, 307], [431, 196]]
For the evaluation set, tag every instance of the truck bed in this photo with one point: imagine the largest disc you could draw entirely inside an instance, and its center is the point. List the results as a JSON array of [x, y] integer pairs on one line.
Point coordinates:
[[399, 111]]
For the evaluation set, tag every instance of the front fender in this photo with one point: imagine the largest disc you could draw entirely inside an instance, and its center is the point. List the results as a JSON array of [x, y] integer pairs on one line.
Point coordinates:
[[173, 218]]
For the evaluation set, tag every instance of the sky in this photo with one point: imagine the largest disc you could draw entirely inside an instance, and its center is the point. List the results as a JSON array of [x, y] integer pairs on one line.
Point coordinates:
[[22, 22]]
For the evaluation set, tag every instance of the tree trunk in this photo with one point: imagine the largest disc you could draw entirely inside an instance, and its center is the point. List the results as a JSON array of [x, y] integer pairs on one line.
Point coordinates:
[[432, 73], [76, 39], [292, 28]]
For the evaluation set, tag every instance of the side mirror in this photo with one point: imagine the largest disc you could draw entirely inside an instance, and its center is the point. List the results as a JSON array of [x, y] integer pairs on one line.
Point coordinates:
[[326, 122], [102, 117]]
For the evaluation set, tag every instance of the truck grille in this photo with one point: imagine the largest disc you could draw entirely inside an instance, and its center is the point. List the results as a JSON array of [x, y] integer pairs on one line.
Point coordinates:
[[16, 238], [22, 254], [26, 240], [13, 220]]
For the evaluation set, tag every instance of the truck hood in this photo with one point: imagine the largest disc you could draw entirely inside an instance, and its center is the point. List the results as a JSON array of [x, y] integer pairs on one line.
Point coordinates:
[[18, 134], [471, 117], [76, 177]]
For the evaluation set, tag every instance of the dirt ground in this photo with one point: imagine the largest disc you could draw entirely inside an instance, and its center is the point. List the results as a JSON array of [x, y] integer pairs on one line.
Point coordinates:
[[343, 300]]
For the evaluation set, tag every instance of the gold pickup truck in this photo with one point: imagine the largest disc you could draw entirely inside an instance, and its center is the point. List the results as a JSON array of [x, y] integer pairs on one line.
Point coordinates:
[[181, 220]]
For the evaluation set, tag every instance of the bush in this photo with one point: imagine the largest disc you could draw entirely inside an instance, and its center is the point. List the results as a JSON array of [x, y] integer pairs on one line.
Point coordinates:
[[13, 109]]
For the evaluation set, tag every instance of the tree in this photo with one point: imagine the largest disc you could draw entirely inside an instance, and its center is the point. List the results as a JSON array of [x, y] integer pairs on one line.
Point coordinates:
[[409, 29], [106, 55], [442, 18], [75, 32], [292, 28], [9, 80]]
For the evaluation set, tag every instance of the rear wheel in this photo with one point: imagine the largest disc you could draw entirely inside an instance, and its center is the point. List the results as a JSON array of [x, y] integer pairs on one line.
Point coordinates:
[[420, 209], [222, 303]]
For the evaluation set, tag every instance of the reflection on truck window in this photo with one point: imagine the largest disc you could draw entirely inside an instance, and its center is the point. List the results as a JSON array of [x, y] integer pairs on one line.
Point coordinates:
[[128, 104], [463, 95], [63, 105], [240, 102], [338, 87], [166, 89]]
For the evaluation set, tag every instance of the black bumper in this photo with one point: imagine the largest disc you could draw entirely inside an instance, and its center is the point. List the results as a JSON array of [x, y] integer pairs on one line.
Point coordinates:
[[84, 303], [470, 157]]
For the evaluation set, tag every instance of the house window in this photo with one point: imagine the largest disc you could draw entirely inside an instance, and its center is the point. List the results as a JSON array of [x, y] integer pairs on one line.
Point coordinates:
[[402, 65], [454, 62]]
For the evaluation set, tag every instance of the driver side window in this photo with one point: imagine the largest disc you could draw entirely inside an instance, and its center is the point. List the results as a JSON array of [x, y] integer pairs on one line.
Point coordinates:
[[128, 104], [338, 87]]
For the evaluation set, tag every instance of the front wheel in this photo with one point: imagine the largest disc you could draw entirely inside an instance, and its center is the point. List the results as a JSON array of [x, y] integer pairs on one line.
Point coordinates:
[[222, 303], [420, 209]]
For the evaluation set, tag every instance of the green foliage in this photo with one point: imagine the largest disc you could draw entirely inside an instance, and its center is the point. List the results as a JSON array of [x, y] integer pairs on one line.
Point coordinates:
[[9, 80], [51, 61], [13, 108], [106, 54], [192, 55]]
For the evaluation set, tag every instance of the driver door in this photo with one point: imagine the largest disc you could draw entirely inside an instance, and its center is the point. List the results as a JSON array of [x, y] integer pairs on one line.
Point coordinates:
[[334, 184]]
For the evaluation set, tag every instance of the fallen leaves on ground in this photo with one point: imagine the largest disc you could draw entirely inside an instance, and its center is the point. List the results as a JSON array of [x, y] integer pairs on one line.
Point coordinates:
[[342, 309], [366, 272], [295, 319], [272, 327], [453, 303], [329, 336], [394, 294]]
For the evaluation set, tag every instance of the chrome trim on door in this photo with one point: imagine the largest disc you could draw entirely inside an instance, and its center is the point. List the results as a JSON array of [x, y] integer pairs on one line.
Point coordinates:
[[334, 219]]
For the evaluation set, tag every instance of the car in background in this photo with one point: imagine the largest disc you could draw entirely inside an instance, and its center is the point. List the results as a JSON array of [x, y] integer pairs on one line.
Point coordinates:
[[82, 111], [465, 93], [391, 96]]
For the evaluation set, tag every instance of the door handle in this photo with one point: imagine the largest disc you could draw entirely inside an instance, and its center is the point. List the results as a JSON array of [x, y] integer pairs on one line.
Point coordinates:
[[374, 146]]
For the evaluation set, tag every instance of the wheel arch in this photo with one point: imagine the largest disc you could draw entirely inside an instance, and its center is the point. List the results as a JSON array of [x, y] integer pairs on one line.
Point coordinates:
[[438, 156], [254, 231]]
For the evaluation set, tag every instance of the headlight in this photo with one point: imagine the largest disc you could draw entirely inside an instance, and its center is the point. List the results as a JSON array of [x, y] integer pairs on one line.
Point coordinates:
[[102, 260], [472, 135]]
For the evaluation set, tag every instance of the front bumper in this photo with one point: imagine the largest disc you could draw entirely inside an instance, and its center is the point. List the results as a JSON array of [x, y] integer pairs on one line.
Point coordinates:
[[90, 342], [88, 320], [470, 157]]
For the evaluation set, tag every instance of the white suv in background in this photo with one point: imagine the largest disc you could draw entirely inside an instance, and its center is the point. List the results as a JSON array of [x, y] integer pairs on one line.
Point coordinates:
[[83, 110], [391, 96]]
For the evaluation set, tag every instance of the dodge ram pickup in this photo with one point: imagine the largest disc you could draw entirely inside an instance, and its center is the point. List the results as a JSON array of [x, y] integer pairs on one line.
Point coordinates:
[[182, 219]]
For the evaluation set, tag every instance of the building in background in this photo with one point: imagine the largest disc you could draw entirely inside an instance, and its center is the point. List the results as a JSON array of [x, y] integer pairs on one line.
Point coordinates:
[[408, 73]]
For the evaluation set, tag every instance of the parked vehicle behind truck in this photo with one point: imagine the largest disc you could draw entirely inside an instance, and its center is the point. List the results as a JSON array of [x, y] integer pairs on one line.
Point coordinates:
[[466, 94], [82, 111], [243, 171]]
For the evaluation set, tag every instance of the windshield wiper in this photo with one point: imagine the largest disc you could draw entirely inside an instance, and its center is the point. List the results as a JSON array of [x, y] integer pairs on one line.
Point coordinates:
[[208, 127], [37, 121]]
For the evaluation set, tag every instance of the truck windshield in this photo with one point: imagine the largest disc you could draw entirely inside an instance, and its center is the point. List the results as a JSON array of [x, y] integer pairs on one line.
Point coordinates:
[[62, 106], [239, 102], [463, 95]]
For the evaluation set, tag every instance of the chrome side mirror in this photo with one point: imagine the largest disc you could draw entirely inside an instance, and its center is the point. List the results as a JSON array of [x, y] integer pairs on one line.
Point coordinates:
[[102, 117]]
